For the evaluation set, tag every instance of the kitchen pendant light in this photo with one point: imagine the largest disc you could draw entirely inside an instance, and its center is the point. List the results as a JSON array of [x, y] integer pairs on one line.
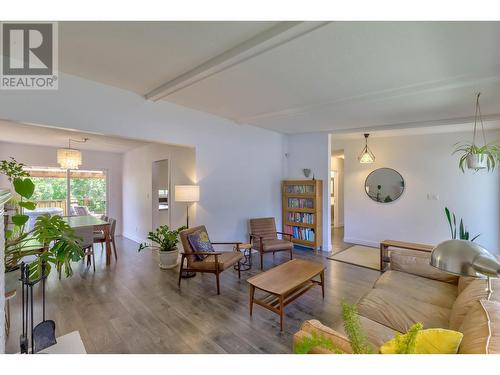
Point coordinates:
[[366, 156], [70, 158]]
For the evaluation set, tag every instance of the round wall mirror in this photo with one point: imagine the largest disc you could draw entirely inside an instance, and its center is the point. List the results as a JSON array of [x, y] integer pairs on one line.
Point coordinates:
[[384, 185]]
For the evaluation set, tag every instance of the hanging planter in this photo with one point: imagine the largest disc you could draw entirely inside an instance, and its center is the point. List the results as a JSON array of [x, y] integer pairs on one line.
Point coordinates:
[[477, 157]]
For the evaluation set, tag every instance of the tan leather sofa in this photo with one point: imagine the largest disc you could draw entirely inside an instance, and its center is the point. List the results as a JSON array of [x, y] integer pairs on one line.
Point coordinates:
[[413, 291]]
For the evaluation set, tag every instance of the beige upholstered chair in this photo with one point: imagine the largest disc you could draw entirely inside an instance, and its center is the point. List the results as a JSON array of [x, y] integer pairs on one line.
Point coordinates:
[[215, 262], [264, 237]]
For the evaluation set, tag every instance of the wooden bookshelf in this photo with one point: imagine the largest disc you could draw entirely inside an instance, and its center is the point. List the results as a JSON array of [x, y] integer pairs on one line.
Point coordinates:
[[303, 211]]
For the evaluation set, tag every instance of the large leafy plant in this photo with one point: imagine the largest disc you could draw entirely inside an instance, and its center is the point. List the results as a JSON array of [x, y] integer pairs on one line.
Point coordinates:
[[165, 239], [489, 152], [463, 233], [51, 239]]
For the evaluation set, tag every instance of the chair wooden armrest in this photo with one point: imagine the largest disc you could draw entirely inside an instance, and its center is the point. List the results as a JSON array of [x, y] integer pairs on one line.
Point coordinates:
[[236, 248], [202, 253], [285, 234]]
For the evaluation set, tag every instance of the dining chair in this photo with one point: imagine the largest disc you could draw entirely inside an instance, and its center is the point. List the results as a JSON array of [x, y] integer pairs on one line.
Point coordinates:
[[100, 238], [86, 241]]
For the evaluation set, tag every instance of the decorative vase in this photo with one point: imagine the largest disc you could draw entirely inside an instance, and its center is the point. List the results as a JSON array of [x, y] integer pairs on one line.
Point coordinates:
[[476, 161], [168, 259]]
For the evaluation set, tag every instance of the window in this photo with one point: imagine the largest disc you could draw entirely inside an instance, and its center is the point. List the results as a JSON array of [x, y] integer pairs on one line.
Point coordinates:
[[86, 190]]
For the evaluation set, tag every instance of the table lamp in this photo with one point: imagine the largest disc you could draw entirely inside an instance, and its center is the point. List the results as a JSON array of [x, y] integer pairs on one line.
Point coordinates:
[[465, 258], [188, 194]]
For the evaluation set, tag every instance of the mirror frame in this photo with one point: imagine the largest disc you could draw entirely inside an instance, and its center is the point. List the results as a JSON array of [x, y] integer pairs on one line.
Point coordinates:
[[392, 169]]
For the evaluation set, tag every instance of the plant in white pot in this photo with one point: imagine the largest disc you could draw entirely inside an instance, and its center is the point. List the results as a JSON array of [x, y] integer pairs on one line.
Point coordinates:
[[166, 241], [474, 156]]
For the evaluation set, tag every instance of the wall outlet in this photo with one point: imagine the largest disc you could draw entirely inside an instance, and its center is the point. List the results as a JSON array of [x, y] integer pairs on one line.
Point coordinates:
[[432, 197]]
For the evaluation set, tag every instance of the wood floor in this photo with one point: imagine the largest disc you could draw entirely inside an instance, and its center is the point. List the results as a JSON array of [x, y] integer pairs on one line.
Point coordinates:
[[134, 307], [338, 243]]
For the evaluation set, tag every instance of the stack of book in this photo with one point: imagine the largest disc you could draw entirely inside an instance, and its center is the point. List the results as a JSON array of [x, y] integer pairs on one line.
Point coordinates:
[[305, 234], [300, 203], [300, 189], [299, 217]]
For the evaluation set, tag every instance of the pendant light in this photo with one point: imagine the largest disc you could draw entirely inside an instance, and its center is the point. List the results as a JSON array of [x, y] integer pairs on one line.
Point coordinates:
[[366, 156], [70, 158]]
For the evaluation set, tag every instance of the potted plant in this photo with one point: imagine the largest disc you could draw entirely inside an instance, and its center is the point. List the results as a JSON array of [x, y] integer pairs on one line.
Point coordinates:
[[166, 241], [51, 239], [474, 156], [477, 157]]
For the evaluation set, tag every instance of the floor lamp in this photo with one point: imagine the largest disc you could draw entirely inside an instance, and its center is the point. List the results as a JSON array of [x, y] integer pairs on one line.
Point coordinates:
[[188, 194]]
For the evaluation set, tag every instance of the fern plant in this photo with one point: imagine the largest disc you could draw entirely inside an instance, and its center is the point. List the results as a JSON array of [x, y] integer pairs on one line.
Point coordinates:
[[462, 233], [407, 343]]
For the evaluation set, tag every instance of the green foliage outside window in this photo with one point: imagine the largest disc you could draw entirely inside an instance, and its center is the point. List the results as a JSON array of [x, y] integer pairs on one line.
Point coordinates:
[[90, 192]]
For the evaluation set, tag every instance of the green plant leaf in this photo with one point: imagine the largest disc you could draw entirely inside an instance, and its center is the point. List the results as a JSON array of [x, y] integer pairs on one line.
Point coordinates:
[[8, 234], [24, 187], [28, 205], [20, 220]]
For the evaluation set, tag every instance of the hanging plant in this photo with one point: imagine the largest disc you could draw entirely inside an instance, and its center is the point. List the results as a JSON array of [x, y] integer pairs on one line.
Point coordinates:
[[474, 156]]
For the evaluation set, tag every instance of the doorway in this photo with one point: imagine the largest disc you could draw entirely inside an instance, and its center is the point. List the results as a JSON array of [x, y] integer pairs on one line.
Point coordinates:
[[160, 194], [337, 200]]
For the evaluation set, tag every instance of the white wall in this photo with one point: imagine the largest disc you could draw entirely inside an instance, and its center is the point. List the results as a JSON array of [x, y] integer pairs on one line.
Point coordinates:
[[137, 187], [313, 151], [238, 167], [427, 166], [337, 164], [41, 156]]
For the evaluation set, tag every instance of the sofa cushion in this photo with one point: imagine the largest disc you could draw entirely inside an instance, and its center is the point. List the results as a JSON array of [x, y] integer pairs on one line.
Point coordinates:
[[463, 282], [481, 329], [226, 260], [417, 263], [400, 312], [425, 290], [376, 333], [428, 341], [475, 291], [199, 241]]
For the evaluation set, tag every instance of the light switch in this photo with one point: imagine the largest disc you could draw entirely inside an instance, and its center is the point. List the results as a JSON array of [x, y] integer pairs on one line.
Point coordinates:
[[432, 197]]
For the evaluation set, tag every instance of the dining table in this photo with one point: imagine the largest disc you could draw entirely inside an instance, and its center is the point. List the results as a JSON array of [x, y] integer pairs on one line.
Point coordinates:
[[98, 225]]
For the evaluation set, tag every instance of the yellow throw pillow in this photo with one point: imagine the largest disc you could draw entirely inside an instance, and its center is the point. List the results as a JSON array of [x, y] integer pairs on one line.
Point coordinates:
[[430, 341]]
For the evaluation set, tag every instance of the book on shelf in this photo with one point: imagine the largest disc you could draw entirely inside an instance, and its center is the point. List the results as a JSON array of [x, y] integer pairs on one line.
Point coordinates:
[[300, 203], [300, 217], [305, 234], [300, 189]]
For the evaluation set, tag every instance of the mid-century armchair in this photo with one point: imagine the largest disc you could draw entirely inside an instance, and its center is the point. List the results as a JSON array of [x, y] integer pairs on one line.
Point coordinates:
[[264, 237], [215, 261]]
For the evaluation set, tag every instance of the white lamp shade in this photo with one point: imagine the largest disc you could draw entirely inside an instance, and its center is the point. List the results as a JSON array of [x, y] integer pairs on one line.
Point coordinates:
[[69, 158], [187, 193]]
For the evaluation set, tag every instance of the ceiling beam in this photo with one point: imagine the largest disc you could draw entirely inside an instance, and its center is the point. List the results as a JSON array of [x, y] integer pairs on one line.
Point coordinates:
[[262, 42]]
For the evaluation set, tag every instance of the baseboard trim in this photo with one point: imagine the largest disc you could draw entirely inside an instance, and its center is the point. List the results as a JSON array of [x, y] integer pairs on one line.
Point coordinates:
[[359, 241], [132, 237]]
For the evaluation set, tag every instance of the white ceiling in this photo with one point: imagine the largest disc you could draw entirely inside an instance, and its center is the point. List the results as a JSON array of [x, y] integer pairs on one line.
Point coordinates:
[[340, 76], [14, 132]]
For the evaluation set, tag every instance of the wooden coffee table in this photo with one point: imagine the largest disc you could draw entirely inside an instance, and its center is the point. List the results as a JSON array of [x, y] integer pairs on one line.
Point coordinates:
[[284, 283]]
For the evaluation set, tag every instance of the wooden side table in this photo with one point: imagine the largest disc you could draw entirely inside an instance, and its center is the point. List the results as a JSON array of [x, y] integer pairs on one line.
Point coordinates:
[[246, 249]]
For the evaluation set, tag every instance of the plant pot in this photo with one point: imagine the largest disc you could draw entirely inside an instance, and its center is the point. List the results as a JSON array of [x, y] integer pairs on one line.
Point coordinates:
[[477, 161], [168, 259]]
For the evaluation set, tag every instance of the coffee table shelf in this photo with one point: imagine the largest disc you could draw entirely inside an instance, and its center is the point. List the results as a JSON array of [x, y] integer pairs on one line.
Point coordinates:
[[284, 284]]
